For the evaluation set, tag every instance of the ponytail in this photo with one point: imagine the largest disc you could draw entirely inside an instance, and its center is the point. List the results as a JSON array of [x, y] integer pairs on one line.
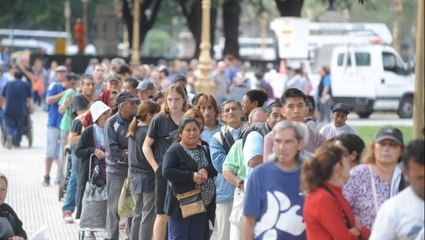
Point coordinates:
[[132, 128]]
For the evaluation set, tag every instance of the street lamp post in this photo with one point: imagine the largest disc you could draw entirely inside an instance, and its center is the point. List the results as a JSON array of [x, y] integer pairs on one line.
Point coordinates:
[[135, 55], [204, 84], [67, 13]]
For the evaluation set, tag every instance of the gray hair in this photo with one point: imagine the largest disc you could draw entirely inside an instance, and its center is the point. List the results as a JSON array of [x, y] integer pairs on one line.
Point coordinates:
[[254, 111], [301, 134]]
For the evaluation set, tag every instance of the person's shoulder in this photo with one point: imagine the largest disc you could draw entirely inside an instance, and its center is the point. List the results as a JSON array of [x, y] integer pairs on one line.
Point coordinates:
[[359, 170]]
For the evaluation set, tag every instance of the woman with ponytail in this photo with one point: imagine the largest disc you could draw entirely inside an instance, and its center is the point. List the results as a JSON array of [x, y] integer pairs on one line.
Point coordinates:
[[141, 172], [327, 213]]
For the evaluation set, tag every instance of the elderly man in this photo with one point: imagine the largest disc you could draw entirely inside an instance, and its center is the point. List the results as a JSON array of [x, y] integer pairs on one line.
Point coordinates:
[[220, 145], [275, 201], [116, 158]]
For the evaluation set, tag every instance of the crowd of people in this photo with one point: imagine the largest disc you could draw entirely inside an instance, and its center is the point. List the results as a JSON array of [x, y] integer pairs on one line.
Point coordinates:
[[262, 167]]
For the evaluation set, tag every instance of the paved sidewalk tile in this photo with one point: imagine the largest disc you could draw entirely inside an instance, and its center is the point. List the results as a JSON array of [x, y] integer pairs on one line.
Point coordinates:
[[36, 206]]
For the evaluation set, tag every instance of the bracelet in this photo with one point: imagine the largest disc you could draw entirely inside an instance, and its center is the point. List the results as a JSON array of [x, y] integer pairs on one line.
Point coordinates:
[[240, 184]]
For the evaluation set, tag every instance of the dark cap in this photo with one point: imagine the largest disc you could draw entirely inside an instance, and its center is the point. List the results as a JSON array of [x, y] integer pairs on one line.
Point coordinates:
[[125, 96], [145, 85], [341, 107], [390, 133]]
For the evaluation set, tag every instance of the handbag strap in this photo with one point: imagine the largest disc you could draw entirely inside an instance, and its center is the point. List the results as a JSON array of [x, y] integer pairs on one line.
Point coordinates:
[[372, 183], [347, 221]]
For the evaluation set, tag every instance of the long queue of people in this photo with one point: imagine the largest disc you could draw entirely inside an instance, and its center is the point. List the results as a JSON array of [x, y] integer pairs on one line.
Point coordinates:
[[252, 172]]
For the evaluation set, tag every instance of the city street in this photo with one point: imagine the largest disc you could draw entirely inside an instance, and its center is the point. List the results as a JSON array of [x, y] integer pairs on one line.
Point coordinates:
[[36, 206]]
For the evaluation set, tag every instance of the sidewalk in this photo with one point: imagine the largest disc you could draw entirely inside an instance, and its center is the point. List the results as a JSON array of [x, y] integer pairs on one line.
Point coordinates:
[[36, 206]]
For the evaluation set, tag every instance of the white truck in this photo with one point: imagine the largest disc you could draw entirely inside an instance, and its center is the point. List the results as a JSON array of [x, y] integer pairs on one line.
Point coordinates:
[[366, 73], [371, 78]]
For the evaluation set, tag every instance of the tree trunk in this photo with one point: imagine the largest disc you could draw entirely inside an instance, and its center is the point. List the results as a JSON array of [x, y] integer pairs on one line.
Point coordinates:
[[231, 14], [194, 22], [145, 23], [290, 8]]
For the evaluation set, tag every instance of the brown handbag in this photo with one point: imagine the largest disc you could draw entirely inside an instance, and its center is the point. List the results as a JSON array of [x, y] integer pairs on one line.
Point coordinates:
[[191, 202]]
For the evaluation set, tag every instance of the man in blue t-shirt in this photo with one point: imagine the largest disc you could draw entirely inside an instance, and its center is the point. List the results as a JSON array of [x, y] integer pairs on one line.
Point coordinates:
[[54, 93], [275, 202], [17, 95]]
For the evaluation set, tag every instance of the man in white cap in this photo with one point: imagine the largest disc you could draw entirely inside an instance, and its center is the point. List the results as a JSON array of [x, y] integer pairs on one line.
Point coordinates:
[[145, 89]]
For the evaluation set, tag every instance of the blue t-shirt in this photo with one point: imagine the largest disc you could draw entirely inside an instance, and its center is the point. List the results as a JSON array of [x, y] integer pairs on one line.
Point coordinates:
[[275, 201], [16, 94], [55, 117]]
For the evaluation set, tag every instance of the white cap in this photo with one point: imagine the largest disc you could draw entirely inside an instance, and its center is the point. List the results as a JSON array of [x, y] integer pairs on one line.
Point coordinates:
[[97, 109]]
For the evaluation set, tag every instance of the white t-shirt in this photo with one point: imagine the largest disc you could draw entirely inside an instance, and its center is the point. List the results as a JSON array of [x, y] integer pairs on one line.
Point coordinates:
[[400, 218], [330, 130]]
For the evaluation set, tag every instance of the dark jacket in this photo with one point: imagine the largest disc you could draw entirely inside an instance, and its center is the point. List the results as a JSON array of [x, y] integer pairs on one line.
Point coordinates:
[[178, 168], [116, 145], [7, 212]]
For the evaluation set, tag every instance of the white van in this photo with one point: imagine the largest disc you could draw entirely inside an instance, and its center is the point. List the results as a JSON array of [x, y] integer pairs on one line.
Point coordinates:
[[372, 77]]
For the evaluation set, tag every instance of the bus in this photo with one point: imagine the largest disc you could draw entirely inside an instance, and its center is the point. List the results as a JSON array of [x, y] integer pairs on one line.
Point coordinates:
[[36, 41]]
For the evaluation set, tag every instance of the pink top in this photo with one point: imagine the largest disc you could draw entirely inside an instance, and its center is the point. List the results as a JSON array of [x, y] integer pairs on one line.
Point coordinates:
[[358, 192]]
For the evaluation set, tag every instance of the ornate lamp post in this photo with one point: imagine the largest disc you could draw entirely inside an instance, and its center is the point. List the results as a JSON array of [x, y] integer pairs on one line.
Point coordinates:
[[135, 55], [204, 84], [67, 13]]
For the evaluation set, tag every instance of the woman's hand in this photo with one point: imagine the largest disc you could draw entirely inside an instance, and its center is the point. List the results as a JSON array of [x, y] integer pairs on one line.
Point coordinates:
[[99, 154], [16, 238], [203, 173], [356, 232], [198, 178]]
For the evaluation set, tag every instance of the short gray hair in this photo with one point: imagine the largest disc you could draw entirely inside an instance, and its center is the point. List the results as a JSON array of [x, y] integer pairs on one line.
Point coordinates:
[[254, 111], [301, 134]]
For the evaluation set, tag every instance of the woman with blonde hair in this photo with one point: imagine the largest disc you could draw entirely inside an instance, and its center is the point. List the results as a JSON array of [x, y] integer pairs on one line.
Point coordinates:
[[327, 213], [141, 173], [158, 140]]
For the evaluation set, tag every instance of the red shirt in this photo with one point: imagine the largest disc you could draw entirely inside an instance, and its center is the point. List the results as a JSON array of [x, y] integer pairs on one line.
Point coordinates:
[[324, 217]]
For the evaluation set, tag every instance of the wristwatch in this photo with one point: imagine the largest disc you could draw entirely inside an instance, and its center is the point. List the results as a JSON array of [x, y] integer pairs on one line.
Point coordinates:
[[240, 184]]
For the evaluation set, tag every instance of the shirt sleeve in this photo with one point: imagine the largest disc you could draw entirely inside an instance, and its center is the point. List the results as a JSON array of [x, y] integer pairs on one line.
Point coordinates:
[[327, 81], [218, 154], [253, 146], [327, 212], [254, 194], [268, 147], [77, 104], [230, 162], [385, 224]]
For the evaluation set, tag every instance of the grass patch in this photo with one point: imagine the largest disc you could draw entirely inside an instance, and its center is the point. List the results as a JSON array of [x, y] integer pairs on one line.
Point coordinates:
[[367, 133]]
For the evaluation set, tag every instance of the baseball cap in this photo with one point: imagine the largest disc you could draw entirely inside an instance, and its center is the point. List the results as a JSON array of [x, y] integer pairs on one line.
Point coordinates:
[[61, 68], [125, 96], [113, 78], [145, 85], [97, 109], [341, 107], [391, 133]]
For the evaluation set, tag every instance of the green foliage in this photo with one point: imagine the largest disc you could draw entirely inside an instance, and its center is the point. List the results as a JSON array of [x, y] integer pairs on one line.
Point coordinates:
[[159, 42]]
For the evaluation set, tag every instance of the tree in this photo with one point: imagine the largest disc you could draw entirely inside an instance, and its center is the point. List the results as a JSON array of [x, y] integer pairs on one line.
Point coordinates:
[[148, 12], [290, 8], [192, 11], [231, 13]]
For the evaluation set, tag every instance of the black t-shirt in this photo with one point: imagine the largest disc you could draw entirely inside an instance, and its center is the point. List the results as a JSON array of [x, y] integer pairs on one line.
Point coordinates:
[[78, 103], [142, 174], [161, 130]]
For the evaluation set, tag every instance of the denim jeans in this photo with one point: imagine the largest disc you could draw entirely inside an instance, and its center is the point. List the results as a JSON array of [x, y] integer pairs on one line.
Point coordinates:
[[190, 228], [71, 188], [15, 128]]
